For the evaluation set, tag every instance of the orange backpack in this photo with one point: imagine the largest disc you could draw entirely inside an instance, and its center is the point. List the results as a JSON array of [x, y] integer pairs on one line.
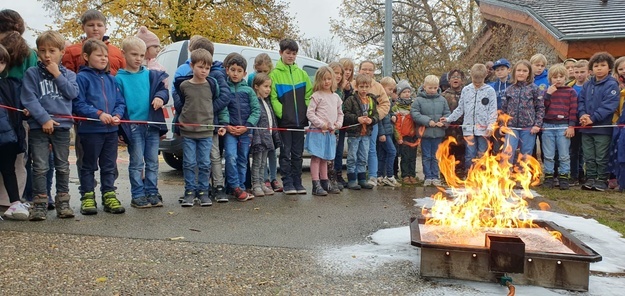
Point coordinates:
[[404, 125]]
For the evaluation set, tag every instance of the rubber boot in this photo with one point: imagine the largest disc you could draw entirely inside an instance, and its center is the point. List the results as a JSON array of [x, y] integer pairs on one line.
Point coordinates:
[[329, 187], [317, 189], [362, 181], [352, 183]]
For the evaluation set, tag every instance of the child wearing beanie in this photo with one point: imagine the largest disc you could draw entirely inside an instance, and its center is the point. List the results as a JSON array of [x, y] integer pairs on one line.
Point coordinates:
[[153, 45]]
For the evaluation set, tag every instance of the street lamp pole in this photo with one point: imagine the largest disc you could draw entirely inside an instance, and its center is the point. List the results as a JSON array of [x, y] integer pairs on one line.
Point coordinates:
[[387, 65]]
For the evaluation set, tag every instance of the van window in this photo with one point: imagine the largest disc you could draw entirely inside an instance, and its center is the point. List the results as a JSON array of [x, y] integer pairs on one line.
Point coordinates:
[[310, 70]]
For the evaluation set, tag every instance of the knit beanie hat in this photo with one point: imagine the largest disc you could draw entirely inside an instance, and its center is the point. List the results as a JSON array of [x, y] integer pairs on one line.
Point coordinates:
[[148, 37], [403, 85]]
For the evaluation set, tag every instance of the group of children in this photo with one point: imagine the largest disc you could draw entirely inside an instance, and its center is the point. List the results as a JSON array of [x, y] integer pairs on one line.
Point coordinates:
[[119, 94]]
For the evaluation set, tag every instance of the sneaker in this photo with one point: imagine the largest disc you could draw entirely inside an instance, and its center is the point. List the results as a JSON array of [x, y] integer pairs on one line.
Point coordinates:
[[111, 204], [300, 189], [18, 211], [549, 181], [406, 181], [437, 182], [289, 189], [188, 198], [381, 181], [413, 180], [39, 209], [205, 200], [600, 185], [155, 199], [140, 203], [390, 181], [564, 182], [340, 180], [365, 184], [589, 184], [240, 194], [612, 184], [267, 190], [258, 191], [373, 181], [427, 182], [88, 205], [220, 194], [275, 185]]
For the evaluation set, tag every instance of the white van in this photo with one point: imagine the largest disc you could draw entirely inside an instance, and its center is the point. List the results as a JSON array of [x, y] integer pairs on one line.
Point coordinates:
[[177, 54]]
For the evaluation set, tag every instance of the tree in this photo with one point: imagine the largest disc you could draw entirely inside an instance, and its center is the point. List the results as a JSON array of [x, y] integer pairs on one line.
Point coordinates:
[[246, 22], [428, 35], [321, 49]]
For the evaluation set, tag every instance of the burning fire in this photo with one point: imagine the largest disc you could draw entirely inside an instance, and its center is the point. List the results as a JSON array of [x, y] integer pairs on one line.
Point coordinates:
[[487, 197]]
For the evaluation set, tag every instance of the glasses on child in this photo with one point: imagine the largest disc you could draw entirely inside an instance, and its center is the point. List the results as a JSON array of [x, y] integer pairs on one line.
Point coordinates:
[[455, 77]]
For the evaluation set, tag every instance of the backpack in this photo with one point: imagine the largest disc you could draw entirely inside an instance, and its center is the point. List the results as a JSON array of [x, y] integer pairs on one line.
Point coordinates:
[[404, 125]]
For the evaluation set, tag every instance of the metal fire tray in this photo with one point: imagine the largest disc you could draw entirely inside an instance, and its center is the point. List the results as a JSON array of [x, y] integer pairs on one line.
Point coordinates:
[[546, 269]]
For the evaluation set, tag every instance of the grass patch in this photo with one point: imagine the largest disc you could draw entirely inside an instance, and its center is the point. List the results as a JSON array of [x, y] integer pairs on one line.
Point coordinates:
[[606, 207]]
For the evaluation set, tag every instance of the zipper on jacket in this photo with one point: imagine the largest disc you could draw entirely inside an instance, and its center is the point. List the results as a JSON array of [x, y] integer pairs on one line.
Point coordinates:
[[238, 103], [294, 97]]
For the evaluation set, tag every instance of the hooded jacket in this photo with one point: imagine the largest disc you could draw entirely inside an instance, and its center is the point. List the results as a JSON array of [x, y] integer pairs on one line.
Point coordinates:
[[11, 128], [44, 96], [500, 89], [98, 94], [542, 81], [524, 102], [73, 60], [429, 107], [265, 139], [352, 109], [244, 108], [290, 94], [479, 108], [599, 99]]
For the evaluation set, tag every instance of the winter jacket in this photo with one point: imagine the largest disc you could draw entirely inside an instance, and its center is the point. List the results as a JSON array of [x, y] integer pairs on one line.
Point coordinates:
[[265, 139], [157, 90], [290, 94], [325, 109], [98, 94], [429, 107], [377, 90], [524, 103], [44, 96], [385, 126], [18, 71], [561, 106], [403, 121], [352, 109], [500, 90], [244, 108], [542, 81], [11, 128], [599, 99], [220, 102], [73, 59], [479, 108], [619, 110]]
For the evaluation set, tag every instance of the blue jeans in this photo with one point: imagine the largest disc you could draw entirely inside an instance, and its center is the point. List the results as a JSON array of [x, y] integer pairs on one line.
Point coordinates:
[[554, 140], [236, 153], [373, 153], [357, 148], [473, 147], [527, 141], [196, 155], [39, 144], [98, 150], [429, 146], [143, 151], [386, 156]]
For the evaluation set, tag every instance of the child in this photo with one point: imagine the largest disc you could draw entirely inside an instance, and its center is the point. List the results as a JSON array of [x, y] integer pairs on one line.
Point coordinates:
[[597, 103], [524, 103], [244, 112], [98, 94], [581, 75], [452, 94], [539, 62], [263, 140], [619, 75], [325, 115], [145, 94], [577, 169], [198, 101], [153, 45], [12, 28], [385, 146], [262, 64], [478, 105], [502, 71], [290, 95], [347, 90], [339, 76], [559, 122], [12, 140], [427, 110], [405, 133], [359, 108], [569, 64], [48, 90]]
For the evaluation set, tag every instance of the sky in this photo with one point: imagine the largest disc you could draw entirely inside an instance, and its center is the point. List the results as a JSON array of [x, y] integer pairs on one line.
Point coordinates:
[[312, 17]]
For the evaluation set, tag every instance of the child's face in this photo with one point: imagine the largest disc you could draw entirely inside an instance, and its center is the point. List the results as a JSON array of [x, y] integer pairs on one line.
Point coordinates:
[[601, 70], [581, 74], [236, 73], [570, 68], [94, 29], [363, 89], [389, 89], [620, 69], [134, 58], [262, 69], [502, 72], [558, 80], [430, 89], [151, 52], [338, 75], [538, 68], [200, 70], [49, 54], [263, 90], [3, 66], [521, 73], [288, 56], [348, 73], [98, 59], [405, 94], [327, 80]]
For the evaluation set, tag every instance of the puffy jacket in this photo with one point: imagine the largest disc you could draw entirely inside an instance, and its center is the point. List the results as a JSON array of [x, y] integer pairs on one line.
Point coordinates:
[[542, 81], [11, 128], [385, 126], [43, 95], [479, 107], [429, 107], [599, 99], [500, 90], [98, 94], [404, 125], [352, 110], [73, 60], [157, 89], [265, 139], [290, 94], [244, 108], [524, 102]]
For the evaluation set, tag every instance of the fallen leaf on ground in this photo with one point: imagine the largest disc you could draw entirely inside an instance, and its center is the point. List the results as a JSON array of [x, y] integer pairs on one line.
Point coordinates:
[[176, 238], [101, 279]]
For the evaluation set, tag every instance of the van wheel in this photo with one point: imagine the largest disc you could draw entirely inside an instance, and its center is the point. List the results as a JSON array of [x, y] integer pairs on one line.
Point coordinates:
[[173, 160]]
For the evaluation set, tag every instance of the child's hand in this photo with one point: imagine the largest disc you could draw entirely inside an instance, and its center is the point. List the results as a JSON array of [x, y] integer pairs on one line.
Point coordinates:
[[585, 120], [440, 124], [106, 118], [157, 103], [221, 131], [26, 112], [53, 68], [232, 130], [552, 89], [120, 140], [443, 119], [534, 130], [368, 120], [569, 132], [400, 141], [115, 120], [382, 138], [362, 119], [393, 118], [48, 127], [432, 123], [242, 129]]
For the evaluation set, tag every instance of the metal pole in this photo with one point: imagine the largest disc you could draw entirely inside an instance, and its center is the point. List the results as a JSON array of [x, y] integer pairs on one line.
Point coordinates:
[[387, 66]]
